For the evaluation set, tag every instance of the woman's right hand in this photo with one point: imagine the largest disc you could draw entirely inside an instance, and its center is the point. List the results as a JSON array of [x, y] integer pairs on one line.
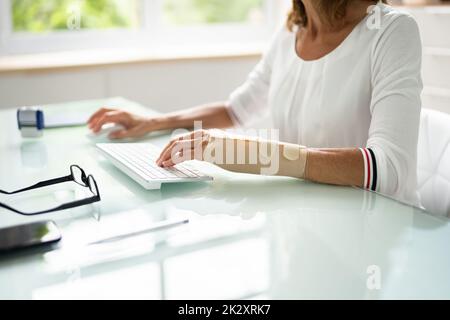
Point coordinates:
[[134, 126]]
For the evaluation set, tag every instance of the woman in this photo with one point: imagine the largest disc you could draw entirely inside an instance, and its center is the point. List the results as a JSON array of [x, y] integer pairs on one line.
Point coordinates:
[[343, 78]]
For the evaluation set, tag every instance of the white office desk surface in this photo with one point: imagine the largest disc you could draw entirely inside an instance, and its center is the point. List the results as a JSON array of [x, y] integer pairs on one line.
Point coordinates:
[[248, 236]]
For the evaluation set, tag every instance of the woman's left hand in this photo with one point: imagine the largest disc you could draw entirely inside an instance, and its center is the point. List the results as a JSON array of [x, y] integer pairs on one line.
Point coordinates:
[[184, 148]]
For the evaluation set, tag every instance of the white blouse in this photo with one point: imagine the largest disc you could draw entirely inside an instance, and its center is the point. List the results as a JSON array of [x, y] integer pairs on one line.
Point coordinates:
[[364, 94]]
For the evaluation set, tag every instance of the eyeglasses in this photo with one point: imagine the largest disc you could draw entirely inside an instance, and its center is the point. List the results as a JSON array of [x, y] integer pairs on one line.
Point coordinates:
[[77, 175]]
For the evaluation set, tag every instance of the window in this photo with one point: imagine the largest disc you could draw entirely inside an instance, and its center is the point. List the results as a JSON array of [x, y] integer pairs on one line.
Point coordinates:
[[38, 16], [29, 26], [189, 12]]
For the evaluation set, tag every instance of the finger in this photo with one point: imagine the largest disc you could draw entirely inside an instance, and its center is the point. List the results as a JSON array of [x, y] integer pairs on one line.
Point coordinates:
[[183, 137], [97, 114], [121, 134], [163, 152], [171, 162], [168, 164], [175, 148], [95, 121], [178, 158], [178, 147], [135, 132], [184, 151], [109, 117], [199, 134], [168, 145]]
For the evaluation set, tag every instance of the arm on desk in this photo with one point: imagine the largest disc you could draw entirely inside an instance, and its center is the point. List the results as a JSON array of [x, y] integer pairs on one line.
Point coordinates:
[[267, 157], [215, 115]]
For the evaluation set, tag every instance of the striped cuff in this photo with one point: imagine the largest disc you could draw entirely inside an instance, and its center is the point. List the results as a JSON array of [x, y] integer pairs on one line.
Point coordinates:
[[370, 169]]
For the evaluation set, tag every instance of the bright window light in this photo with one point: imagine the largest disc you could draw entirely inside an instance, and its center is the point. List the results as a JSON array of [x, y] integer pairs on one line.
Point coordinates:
[[34, 26], [195, 12], [58, 15]]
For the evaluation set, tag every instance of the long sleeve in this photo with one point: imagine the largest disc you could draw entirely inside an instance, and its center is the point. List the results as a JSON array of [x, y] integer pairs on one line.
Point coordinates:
[[395, 110], [250, 100]]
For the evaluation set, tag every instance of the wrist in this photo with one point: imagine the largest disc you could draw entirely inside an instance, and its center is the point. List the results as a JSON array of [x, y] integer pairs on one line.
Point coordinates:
[[156, 123], [293, 159]]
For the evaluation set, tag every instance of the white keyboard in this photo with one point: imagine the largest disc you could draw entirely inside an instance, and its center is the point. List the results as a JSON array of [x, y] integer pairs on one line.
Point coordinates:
[[137, 160]]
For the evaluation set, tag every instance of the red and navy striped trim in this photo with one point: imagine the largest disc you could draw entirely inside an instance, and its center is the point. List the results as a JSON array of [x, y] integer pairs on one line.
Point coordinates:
[[370, 169]]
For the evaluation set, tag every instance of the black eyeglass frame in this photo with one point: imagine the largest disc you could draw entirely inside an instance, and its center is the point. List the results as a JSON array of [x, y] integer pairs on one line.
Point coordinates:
[[86, 181]]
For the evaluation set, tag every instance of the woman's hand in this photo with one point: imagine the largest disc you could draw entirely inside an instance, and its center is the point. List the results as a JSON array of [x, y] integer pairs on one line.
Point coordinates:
[[134, 126], [184, 148]]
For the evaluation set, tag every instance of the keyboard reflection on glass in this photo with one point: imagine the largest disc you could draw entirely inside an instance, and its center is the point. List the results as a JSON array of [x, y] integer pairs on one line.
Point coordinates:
[[137, 160]]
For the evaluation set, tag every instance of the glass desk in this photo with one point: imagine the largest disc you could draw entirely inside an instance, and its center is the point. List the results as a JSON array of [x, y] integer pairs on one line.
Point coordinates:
[[249, 237]]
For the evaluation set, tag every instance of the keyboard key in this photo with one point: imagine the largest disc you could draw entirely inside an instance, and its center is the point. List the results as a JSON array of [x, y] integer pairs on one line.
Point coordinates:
[[140, 158]]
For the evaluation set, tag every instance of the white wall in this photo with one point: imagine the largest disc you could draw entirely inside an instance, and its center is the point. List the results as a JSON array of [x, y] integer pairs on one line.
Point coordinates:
[[165, 86], [434, 24]]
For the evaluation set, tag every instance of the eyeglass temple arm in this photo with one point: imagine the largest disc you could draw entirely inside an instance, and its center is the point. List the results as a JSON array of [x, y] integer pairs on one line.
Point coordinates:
[[65, 206], [41, 184]]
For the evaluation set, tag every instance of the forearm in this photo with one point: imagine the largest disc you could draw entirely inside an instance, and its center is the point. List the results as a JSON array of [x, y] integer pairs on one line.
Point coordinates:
[[335, 166], [213, 115], [329, 166], [267, 157]]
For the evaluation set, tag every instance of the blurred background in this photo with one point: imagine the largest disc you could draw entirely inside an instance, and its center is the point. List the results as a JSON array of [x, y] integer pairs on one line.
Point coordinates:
[[165, 54]]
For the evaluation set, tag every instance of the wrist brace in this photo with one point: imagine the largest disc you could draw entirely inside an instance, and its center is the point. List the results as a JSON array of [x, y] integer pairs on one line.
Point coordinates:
[[256, 156]]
